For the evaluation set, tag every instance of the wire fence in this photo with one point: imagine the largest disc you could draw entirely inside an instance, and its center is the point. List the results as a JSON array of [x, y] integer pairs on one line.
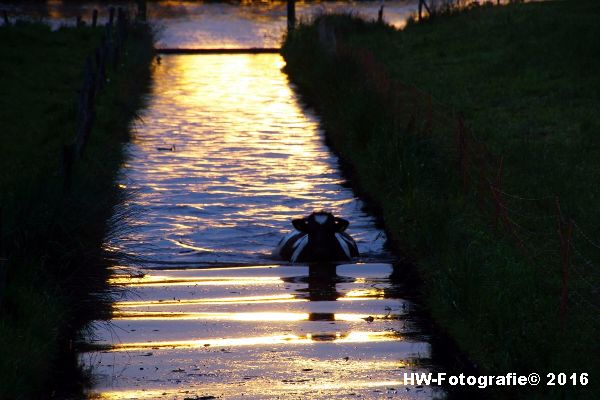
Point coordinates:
[[105, 57], [538, 227]]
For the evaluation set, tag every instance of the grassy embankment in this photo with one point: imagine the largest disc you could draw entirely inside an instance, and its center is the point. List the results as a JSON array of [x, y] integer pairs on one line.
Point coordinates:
[[52, 239], [526, 78]]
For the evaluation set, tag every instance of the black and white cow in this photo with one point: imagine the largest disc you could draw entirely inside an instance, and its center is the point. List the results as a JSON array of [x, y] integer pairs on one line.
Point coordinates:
[[320, 237]]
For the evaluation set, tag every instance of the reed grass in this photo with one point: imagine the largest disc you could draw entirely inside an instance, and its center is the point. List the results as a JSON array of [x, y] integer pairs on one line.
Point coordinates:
[[52, 238]]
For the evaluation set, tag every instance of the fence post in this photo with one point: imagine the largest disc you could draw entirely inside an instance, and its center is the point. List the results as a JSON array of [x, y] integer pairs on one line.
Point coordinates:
[[79, 21], [94, 18], [291, 15], [380, 15], [422, 4], [5, 16]]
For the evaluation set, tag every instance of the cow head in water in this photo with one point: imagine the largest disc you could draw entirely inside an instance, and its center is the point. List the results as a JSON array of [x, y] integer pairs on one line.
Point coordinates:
[[320, 237]]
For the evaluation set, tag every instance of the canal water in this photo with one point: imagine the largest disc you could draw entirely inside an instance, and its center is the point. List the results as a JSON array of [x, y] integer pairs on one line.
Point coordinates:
[[224, 157]]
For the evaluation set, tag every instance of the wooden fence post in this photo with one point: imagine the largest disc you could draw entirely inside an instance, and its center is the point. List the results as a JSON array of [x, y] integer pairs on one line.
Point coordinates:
[[380, 15], [422, 4], [291, 15], [79, 21], [5, 16], [94, 18]]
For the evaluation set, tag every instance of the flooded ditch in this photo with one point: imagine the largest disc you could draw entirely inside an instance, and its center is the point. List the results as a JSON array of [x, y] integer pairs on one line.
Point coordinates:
[[224, 158]]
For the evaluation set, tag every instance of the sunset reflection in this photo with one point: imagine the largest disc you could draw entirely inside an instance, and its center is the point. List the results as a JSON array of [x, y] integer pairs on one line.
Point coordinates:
[[242, 159], [178, 281], [370, 293], [245, 316], [279, 298], [226, 156], [288, 339]]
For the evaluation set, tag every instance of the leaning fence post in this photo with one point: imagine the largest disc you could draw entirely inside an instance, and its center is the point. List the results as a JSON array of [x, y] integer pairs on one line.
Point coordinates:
[[94, 18]]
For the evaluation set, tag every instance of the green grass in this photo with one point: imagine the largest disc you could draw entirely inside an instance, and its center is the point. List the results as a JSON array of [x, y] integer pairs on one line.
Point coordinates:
[[525, 77], [52, 239]]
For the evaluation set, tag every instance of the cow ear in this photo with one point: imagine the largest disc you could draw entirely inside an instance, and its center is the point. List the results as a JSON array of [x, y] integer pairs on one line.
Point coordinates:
[[300, 224], [341, 224]]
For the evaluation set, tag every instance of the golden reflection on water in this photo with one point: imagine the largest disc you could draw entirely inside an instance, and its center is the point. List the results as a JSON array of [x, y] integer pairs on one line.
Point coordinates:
[[135, 394], [370, 293], [255, 147], [228, 156], [151, 280], [276, 298], [246, 159], [288, 339], [242, 316]]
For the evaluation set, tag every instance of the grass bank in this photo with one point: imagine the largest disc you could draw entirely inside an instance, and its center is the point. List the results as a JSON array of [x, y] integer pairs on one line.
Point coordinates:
[[480, 218], [50, 238]]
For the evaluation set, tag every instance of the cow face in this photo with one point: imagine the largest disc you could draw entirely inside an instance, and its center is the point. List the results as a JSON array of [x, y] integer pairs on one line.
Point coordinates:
[[321, 228]]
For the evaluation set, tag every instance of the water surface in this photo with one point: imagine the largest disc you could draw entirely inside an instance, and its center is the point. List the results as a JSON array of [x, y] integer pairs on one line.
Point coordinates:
[[225, 156]]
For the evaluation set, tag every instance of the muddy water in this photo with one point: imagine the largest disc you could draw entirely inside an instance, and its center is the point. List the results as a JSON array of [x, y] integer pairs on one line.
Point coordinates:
[[225, 157]]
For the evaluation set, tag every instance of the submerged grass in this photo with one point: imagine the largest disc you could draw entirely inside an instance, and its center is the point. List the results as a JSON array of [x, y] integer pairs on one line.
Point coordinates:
[[525, 77], [52, 239]]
